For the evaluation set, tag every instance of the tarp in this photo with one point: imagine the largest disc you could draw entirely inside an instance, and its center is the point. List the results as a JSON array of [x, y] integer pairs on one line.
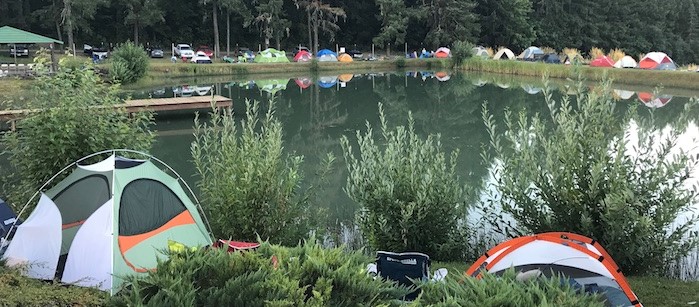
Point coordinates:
[[442, 52], [344, 58], [658, 61], [504, 52], [626, 62], [602, 61], [302, 56], [10, 35]]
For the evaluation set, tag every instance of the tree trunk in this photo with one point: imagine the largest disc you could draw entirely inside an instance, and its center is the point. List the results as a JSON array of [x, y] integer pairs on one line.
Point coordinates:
[[135, 32], [228, 32], [217, 47], [68, 19], [57, 19], [315, 33], [279, 46], [58, 30], [310, 36]]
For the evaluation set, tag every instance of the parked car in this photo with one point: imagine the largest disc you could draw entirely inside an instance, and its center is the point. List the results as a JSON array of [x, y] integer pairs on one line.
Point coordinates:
[[201, 58], [184, 51], [207, 50], [355, 53], [156, 52], [19, 50], [99, 53]]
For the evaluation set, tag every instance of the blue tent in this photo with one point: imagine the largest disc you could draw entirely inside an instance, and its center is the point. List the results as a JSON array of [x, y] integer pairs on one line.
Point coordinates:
[[425, 54], [327, 82], [7, 218], [326, 52]]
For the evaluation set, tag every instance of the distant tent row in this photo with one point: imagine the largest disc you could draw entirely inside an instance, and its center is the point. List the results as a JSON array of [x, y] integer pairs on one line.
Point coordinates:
[[271, 55]]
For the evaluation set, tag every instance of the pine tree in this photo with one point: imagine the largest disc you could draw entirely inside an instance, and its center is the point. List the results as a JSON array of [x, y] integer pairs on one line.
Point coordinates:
[[506, 23], [449, 21]]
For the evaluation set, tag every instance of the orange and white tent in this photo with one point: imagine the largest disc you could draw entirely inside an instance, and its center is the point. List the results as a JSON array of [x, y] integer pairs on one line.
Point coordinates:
[[579, 258], [657, 60], [442, 52]]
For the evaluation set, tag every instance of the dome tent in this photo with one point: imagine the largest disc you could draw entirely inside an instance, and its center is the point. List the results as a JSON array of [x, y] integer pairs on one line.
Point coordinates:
[[480, 51], [602, 61], [442, 52], [531, 53], [106, 220], [658, 61], [626, 62], [652, 101], [327, 81], [504, 52], [302, 56], [271, 55], [325, 55], [579, 259], [344, 58]]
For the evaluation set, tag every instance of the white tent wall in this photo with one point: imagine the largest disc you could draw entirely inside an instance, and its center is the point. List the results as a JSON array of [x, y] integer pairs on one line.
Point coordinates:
[[89, 262], [39, 239]]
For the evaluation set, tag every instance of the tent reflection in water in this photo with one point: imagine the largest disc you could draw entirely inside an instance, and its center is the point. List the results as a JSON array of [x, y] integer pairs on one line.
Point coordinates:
[[582, 261], [106, 220], [272, 86], [653, 101]]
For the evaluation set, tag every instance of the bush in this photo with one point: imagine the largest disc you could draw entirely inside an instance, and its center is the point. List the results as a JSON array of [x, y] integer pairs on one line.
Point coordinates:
[[492, 291], [129, 63], [249, 186], [400, 62], [461, 51], [306, 275], [584, 174], [18, 290], [409, 194], [77, 118]]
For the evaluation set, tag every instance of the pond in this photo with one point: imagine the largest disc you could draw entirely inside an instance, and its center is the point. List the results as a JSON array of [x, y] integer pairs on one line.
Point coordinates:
[[316, 113]]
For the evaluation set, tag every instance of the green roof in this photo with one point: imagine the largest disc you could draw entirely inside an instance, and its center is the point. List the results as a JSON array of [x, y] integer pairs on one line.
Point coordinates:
[[10, 35]]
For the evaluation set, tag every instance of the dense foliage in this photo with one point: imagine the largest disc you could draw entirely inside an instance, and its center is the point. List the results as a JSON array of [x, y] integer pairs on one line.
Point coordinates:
[[634, 26], [249, 186], [129, 63], [306, 275], [595, 172], [77, 119], [505, 290], [409, 195]]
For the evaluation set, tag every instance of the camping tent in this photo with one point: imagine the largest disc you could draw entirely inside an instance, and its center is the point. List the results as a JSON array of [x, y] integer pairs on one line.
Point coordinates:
[[327, 81], [344, 58], [271, 55], [626, 62], [479, 82], [304, 82], [531, 53], [504, 52], [326, 55], [272, 86], [551, 58], [7, 218], [104, 221], [653, 101], [602, 61], [480, 52], [576, 257], [657, 60], [442, 52], [573, 58], [302, 56], [624, 94]]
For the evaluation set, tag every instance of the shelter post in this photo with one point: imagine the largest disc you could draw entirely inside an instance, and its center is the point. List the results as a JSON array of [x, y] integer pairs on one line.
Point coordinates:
[[53, 59], [373, 55], [406, 48], [14, 46]]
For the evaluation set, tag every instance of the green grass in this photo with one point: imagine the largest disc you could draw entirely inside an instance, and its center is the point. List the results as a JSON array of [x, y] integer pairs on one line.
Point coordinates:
[[17, 290], [650, 78], [651, 291]]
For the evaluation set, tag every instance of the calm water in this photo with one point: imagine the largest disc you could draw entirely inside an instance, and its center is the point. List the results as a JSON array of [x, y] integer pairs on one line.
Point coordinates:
[[317, 112]]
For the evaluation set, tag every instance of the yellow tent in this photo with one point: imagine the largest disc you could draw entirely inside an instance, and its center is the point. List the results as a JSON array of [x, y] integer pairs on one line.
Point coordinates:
[[344, 58]]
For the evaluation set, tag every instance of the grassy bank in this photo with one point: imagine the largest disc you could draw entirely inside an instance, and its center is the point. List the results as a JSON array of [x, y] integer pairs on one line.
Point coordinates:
[[649, 78]]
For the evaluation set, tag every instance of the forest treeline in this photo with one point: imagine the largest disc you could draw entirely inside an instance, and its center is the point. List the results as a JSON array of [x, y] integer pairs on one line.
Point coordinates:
[[636, 26]]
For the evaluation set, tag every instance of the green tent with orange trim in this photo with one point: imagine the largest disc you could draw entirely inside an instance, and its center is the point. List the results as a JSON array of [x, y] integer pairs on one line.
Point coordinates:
[[105, 221]]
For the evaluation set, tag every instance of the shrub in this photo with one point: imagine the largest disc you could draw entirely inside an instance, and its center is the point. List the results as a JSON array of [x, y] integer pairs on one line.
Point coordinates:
[[129, 63], [410, 196], [77, 118], [584, 174], [461, 51], [616, 54], [596, 53], [400, 62], [249, 185], [491, 291], [306, 275]]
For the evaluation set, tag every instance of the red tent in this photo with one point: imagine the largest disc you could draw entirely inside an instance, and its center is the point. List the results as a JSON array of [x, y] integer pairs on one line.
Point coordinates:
[[302, 56], [602, 61], [657, 60], [303, 83], [442, 52]]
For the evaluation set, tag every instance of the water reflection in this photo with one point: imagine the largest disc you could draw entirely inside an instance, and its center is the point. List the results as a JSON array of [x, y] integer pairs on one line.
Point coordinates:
[[654, 101]]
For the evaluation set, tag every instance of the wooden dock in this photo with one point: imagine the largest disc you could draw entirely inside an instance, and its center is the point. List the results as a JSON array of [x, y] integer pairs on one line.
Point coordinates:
[[131, 106]]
